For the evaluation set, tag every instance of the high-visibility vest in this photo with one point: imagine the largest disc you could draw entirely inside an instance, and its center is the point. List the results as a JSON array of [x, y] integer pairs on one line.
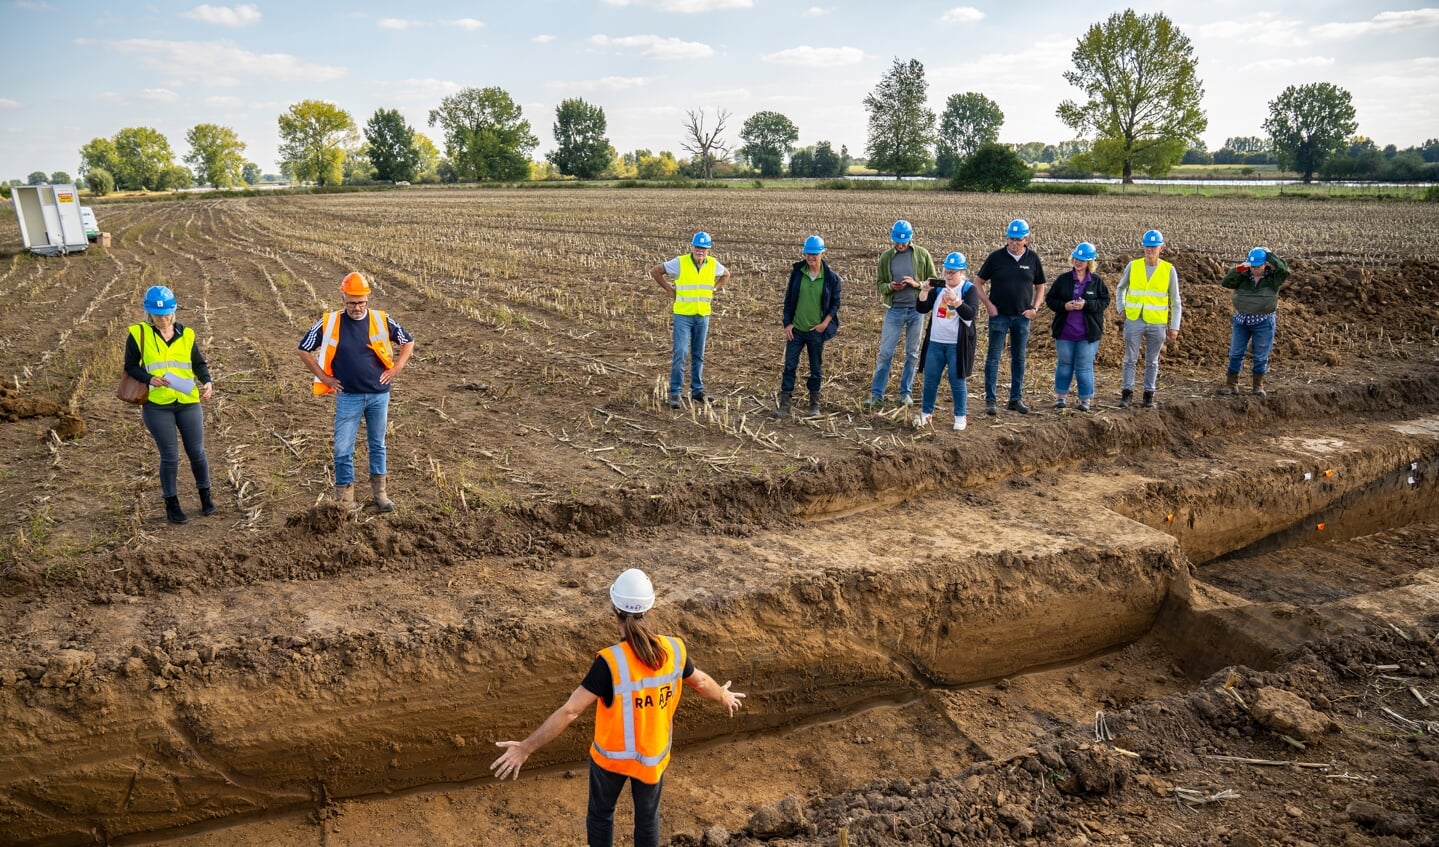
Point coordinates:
[[173, 360], [1148, 294], [695, 287], [379, 342], [632, 734]]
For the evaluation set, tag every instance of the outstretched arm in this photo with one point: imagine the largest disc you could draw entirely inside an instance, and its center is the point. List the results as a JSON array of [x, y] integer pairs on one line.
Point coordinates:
[[516, 752], [706, 686]]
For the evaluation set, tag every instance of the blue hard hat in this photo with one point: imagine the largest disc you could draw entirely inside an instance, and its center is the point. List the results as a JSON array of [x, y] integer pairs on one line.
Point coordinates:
[[814, 245], [955, 262], [1153, 238], [1084, 252], [159, 300], [1258, 257], [1018, 228], [901, 232], [703, 240]]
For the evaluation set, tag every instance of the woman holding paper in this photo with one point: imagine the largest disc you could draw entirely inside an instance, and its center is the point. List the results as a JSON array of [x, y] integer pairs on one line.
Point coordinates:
[[165, 355]]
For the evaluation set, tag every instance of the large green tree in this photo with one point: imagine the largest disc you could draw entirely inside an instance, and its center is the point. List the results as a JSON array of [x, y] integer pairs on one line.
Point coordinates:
[[1309, 123], [217, 154], [582, 149], [392, 148], [993, 167], [969, 120], [1139, 73], [142, 155], [250, 173], [767, 137], [486, 134], [98, 153], [901, 125], [428, 170], [313, 137]]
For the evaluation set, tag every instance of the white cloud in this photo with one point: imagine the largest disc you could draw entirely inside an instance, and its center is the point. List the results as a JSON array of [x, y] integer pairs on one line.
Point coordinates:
[[224, 102], [396, 23], [685, 6], [243, 15], [34, 6], [1276, 30], [816, 11], [222, 62], [816, 57], [1382, 22], [962, 15], [657, 47], [543, 38], [159, 95], [425, 89], [7, 103], [467, 24], [1280, 64], [609, 83]]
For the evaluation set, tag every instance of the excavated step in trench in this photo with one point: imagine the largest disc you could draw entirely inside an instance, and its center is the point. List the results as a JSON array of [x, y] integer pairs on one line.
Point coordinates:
[[943, 631]]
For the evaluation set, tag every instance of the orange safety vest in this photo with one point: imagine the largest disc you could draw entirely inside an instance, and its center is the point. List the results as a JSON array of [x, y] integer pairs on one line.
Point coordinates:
[[632, 734], [379, 342]]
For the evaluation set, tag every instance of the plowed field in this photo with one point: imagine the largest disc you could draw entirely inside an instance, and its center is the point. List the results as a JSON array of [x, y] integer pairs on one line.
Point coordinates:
[[926, 622]]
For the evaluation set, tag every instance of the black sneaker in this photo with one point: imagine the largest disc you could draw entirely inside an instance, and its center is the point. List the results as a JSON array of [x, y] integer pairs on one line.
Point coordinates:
[[1059, 404], [699, 397], [1083, 405], [1149, 399], [1126, 398], [1017, 405], [991, 409], [674, 401]]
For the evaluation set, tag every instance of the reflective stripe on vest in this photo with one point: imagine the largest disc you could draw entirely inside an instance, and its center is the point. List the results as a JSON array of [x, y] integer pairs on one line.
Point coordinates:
[[379, 342], [695, 287], [176, 362], [623, 744], [1148, 294]]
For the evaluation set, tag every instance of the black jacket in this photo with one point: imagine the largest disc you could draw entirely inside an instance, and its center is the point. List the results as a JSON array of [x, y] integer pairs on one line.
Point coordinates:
[[1096, 303], [828, 298], [967, 309]]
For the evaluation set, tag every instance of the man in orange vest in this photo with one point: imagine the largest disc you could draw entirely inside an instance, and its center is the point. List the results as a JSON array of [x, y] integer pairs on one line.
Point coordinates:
[[636, 683], [355, 354]]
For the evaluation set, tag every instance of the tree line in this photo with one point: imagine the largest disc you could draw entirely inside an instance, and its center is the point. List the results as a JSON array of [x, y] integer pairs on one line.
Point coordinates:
[[1140, 113]]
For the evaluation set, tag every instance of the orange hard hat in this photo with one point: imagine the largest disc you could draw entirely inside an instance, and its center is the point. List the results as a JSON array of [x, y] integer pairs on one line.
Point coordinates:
[[355, 284]]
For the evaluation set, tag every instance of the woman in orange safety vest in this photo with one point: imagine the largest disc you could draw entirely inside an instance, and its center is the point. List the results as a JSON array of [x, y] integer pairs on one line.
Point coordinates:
[[636, 684]]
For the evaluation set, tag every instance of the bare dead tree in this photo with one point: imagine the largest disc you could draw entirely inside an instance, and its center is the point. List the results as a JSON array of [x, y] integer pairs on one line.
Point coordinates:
[[708, 146]]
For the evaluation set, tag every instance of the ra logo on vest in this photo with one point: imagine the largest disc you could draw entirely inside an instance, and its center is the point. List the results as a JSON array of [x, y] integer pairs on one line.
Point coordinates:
[[643, 701]]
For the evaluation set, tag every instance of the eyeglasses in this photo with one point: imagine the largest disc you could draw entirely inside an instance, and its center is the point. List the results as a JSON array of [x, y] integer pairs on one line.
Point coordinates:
[[356, 302]]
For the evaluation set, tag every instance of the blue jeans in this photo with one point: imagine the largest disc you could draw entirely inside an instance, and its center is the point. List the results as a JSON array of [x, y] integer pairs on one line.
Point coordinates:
[[689, 341], [938, 359], [1261, 335], [1018, 328], [1075, 361], [897, 320], [164, 421], [811, 342], [349, 408], [605, 788]]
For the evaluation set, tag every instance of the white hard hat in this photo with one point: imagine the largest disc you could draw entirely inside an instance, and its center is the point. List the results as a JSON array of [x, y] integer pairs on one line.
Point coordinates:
[[633, 592]]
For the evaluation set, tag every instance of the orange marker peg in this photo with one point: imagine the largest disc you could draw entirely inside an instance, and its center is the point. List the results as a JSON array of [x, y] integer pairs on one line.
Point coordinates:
[[1328, 473], [1169, 518], [1319, 527]]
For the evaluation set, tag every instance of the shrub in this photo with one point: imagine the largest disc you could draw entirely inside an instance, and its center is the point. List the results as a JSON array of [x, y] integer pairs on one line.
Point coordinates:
[[993, 167], [1431, 194], [100, 182]]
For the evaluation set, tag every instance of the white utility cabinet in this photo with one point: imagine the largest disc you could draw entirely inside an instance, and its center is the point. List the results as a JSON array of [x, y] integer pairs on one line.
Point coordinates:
[[49, 215]]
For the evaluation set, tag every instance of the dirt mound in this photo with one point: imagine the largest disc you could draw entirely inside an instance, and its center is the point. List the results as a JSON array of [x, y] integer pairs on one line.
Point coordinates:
[[1199, 768]]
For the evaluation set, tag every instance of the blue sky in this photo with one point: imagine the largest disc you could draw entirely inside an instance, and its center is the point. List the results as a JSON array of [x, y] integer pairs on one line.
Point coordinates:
[[76, 70]]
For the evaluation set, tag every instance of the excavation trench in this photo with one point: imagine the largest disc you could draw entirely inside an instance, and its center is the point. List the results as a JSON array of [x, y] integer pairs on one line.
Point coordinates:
[[878, 610]]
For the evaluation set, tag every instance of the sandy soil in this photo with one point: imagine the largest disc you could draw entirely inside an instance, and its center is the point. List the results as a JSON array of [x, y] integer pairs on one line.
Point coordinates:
[[926, 621]]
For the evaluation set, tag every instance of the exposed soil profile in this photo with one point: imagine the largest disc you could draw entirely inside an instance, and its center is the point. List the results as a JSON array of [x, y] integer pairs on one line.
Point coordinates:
[[1211, 623]]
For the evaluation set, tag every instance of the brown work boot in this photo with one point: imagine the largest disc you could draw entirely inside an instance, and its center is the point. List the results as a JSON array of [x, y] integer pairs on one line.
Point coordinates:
[[1259, 385], [382, 501], [345, 496], [1231, 385]]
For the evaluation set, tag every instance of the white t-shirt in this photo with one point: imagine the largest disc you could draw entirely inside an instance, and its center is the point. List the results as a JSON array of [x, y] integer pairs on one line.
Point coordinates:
[[672, 267], [945, 324]]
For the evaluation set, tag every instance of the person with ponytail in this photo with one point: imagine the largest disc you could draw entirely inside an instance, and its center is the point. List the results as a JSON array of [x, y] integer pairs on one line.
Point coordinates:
[[636, 686]]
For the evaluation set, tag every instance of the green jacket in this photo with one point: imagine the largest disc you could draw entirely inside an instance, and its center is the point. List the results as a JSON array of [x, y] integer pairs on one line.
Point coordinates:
[[1257, 298], [923, 269]]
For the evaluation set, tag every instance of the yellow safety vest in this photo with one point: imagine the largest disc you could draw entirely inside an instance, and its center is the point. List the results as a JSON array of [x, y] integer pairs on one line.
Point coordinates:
[[172, 360], [1148, 294], [633, 733], [695, 287], [379, 342]]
